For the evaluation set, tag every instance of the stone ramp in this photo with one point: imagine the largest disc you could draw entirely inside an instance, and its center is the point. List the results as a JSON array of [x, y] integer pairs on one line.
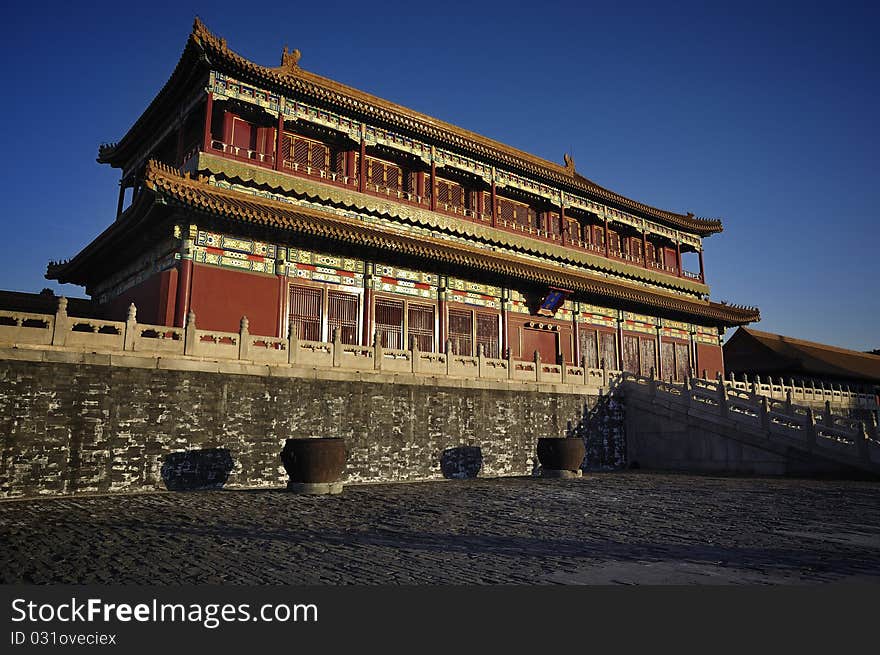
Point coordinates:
[[713, 426]]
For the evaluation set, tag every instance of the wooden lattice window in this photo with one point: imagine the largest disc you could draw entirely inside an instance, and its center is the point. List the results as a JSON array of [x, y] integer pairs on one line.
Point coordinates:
[[647, 355], [651, 253], [614, 242], [342, 313], [450, 193], [573, 229], [608, 350], [589, 344], [487, 334], [487, 204], [461, 332], [384, 174], [553, 225], [630, 354], [305, 312], [420, 320], [682, 361], [389, 323], [304, 153]]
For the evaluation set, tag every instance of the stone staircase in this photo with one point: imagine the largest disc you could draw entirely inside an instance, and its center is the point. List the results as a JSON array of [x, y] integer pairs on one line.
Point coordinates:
[[731, 426]]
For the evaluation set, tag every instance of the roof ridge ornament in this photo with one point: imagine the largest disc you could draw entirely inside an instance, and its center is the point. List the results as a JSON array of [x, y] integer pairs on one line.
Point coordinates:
[[290, 60], [569, 163]]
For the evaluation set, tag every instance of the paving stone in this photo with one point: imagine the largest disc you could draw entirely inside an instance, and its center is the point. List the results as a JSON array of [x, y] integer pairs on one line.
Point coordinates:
[[608, 528]]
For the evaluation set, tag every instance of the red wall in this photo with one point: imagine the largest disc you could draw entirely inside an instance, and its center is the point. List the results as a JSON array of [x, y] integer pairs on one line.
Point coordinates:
[[711, 359], [220, 297], [524, 341], [154, 299]]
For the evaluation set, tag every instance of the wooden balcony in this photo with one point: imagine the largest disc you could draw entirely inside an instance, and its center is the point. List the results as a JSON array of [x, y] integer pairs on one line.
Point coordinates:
[[267, 160]]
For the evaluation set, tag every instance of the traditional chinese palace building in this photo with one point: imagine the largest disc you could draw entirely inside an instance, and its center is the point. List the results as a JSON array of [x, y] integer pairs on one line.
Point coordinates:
[[299, 202]]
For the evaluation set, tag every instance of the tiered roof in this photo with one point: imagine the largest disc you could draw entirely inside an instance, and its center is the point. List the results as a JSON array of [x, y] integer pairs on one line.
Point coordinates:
[[204, 49]]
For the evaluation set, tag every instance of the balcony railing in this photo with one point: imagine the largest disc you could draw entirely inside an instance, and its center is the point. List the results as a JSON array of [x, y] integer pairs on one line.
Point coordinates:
[[267, 160]]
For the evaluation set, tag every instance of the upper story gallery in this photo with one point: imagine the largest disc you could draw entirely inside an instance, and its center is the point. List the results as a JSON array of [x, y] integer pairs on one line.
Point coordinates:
[[275, 193]]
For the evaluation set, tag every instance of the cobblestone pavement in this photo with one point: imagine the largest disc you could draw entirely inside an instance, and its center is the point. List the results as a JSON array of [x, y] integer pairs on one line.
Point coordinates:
[[606, 528]]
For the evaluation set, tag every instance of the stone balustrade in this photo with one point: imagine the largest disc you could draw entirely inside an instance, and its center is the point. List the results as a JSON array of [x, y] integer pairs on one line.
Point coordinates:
[[751, 408], [63, 331]]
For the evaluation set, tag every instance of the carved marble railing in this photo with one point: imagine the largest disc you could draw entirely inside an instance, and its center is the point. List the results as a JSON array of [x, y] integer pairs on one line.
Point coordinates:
[[806, 393], [129, 336], [754, 411]]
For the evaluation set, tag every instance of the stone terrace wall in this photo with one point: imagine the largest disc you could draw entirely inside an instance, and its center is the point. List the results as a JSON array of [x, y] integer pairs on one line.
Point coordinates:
[[69, 428]]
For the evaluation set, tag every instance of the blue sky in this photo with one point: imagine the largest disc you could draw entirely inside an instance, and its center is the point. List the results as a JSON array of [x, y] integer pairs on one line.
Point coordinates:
[[762, 114]]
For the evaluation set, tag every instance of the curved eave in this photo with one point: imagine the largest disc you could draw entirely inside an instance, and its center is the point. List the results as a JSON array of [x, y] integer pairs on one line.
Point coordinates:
[[79, 269], [230, 205], [160, 110]]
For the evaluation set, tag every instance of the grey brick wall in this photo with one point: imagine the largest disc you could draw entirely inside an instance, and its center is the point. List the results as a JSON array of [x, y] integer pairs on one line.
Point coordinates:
[[79, 428]]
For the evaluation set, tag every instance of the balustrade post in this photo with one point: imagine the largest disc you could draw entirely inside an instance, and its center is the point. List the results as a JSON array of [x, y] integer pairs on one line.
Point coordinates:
[[788, 409], [414, 354], [829, 419], [244, 339], [584, 367], [62, 323], [756, 385], [448, 347], [861, 441], [292, 344], [605, 381], [337, 347], [480, 362], [652, 383], [538, 372], [378, 353], [189, 338], [705, 375], [130, 328], [723, 397], [765, 414], [510, 365], [810, 428]]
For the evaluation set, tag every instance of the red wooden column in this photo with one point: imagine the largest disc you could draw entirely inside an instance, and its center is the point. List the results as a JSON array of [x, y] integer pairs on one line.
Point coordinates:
[[444, 315], [494, 199], [367, 316], [678, 256], [505, 322], [607, 240], [420, 185], [433, 186], [644, 249], [702, 272], [563, 224], [209, 110], [184, 283], [362, 167], [658, 355], [279, 135]]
